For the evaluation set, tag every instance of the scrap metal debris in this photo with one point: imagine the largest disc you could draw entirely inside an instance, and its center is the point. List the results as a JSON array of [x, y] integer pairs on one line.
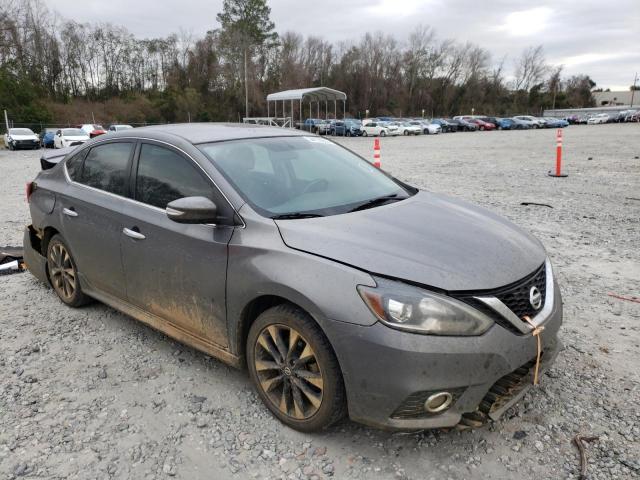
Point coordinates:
[[628, 299], [11, 260], [578, 440]]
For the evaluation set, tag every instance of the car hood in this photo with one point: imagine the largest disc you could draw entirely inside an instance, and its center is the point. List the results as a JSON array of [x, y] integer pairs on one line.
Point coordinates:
[[24, 137], [77, 138], [428, 239]]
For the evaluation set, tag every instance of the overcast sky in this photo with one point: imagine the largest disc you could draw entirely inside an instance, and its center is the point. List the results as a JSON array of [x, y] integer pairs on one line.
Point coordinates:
[[599, 38]]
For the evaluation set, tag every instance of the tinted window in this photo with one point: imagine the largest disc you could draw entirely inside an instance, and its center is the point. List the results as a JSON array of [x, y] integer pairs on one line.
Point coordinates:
[[165, 176], [74, 166], [106, 167]]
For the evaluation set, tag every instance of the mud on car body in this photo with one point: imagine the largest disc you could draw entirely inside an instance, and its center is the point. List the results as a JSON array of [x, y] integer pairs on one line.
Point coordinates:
[[340, 288]]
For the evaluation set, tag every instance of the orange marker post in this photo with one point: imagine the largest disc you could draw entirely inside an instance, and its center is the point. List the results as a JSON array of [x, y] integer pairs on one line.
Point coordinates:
[[376, 153], [558, 172]]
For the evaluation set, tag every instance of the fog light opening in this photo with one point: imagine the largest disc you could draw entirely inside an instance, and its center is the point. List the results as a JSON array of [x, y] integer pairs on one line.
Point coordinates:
[[438, 402]]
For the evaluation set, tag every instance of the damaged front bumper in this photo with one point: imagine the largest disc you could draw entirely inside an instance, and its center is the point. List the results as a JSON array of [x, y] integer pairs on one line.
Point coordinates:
[[390, 374]]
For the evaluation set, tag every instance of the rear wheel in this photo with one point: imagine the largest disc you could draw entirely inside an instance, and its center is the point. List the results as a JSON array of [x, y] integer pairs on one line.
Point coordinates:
[[295, 370], [383, 133], [63, 273]]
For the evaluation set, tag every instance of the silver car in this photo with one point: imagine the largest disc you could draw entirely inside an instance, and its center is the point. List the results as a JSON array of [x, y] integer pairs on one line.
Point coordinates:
[[341, 289]]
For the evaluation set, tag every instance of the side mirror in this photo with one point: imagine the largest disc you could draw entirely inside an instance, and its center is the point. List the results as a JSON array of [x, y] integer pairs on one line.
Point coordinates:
[[192, 210]]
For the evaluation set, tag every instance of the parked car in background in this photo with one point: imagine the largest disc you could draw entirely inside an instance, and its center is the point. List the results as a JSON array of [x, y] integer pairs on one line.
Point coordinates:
[[374, 129], [93, 130], [21, 138], [47, 136], [464, 125], [354, 127], [521, 124], [338, 128], [316, 125], [482, 125], [492, 120], [446, 126], [342, 290], [533, 122], [427, 127], [393, 129], [410, 128], [551, 122], [118, 128], [506, 124], [70, 137], [598, 119], [632, 116]]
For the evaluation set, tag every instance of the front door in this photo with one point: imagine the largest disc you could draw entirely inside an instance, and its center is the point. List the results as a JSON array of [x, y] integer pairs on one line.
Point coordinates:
[[173, 270]]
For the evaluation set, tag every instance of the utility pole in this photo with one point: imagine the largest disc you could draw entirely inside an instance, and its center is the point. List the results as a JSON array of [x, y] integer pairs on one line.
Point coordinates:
[[633, 90], [6, 121], [246, 86]]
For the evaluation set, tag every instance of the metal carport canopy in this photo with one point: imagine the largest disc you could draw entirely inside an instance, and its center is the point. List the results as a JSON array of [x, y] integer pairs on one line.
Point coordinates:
[[316, 94], [300, 95]]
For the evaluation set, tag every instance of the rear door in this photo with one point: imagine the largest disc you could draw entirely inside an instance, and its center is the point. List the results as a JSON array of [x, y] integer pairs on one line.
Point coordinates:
[[91, 207], [173, 270]]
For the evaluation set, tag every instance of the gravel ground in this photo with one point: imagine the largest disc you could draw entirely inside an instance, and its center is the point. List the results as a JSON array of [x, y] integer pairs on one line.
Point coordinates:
[[91, 393]]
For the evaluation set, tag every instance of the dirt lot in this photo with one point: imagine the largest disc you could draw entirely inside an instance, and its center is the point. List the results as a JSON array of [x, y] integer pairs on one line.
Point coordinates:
[[91, 393]]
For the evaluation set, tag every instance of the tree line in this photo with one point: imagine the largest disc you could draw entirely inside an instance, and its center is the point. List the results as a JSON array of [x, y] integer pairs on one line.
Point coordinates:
[[48, 64]]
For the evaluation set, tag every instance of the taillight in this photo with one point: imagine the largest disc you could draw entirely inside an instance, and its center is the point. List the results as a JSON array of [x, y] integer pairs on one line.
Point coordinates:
[[31, 187]]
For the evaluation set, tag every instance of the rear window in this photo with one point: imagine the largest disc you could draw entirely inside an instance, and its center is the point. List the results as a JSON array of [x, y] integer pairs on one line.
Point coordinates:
[[74, 165], [107, 167]]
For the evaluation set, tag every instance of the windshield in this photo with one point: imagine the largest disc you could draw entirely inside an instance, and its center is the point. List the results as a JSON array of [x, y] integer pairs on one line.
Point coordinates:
[[20, 131], [300, 175], [74, 132]]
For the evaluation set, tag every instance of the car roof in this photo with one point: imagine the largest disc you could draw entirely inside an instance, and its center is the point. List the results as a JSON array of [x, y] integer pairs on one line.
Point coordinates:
[[207, 132]]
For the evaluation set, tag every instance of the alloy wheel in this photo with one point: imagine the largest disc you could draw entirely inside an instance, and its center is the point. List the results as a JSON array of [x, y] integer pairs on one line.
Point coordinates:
[[288, 371], [61, 271]]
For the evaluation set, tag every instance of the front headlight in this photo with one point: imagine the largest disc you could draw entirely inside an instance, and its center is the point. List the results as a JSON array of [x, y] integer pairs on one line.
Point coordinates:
[[414, 309]]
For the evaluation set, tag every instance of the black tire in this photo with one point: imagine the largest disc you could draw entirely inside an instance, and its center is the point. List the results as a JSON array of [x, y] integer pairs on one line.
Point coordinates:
[[383, 133], [364, 133], [11, 147], [332, 406], [65, 282]]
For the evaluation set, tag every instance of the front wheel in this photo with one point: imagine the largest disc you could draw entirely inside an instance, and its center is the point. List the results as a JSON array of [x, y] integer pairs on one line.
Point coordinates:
[[383, 133], [364, 133], [295, 370]]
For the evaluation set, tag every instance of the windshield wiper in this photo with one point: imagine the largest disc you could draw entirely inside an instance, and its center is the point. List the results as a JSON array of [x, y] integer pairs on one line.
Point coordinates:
[[295, 215], [374, 202]]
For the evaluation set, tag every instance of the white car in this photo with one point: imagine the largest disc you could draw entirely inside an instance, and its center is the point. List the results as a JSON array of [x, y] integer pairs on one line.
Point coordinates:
[[17, 138], [599, 118], [69, 137], [426, 127], [409, 128], [532, 121], [393, 128], [374, 129], [118, 128]]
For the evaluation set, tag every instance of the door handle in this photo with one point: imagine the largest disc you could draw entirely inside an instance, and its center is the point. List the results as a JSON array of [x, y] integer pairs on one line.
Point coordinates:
[[69, 212], [133, 234]]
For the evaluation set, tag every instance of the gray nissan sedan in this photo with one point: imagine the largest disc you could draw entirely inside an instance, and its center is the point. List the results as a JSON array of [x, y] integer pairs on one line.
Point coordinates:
[[340, 288]]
